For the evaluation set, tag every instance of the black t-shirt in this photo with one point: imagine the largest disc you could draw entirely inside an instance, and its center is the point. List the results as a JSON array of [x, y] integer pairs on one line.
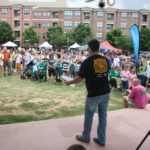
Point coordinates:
[[95, 71]]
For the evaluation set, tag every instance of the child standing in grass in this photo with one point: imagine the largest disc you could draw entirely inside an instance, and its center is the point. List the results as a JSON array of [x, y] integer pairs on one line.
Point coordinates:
[[18, 58]]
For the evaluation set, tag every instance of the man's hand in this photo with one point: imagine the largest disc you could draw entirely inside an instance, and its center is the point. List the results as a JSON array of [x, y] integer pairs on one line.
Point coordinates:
[[74, 81]]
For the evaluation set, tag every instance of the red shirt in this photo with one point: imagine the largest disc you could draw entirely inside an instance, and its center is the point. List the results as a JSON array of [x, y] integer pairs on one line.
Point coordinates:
[[6, 56]]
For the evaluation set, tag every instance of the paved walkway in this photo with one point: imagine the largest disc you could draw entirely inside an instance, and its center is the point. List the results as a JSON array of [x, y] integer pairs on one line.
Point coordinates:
[[126, 128]]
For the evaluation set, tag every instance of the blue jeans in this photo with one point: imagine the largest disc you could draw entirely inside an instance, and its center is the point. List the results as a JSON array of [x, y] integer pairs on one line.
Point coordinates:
[[91, 105], [125, 84]]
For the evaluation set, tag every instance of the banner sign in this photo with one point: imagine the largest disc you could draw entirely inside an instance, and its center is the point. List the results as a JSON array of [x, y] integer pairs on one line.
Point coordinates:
[[134, 32]]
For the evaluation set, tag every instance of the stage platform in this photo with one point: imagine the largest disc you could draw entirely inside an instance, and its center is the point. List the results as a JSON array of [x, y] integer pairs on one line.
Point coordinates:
[[126, 128]]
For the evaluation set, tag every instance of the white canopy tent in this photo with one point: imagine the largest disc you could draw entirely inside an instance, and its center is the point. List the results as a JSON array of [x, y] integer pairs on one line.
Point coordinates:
[[9, 44], [74, 46], [46, 45]]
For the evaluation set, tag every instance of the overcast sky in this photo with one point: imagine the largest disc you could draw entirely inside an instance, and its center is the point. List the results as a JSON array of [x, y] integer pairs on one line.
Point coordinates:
[[121, 4]]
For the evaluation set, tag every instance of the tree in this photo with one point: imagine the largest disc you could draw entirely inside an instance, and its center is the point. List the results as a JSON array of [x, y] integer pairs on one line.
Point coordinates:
[[113, 35], [119, 40], [6, 33], [31, 36], [82, 33], [145, 39], [55, 36]]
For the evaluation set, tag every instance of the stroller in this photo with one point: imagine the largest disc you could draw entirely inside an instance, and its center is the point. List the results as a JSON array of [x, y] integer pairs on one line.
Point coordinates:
[[37, 72], [28, 71]]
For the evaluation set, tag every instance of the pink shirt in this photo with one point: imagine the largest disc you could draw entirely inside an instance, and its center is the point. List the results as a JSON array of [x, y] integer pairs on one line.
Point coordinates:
[[125, 74], [139, 96]]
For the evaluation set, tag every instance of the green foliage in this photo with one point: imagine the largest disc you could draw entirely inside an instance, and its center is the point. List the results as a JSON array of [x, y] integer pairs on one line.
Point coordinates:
[[40, 101], [113, 35], [145, 39], [29, 106], [70, 38], [7, 108], [31, 36], [56, 36], [6, 33], [7, 119], [82, 33], [119, 40]]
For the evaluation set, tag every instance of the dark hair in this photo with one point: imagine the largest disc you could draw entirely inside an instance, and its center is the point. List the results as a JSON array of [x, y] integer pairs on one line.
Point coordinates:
[[94, 45], [58, 55], [76, 147]]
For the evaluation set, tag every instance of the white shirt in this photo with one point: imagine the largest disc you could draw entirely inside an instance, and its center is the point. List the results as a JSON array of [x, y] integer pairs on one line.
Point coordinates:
[[18, 59], [116, 61], [1, 57]]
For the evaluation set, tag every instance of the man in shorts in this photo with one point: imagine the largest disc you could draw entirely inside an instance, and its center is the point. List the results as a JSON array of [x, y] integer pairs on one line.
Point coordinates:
[[6, 54], [137, 97]]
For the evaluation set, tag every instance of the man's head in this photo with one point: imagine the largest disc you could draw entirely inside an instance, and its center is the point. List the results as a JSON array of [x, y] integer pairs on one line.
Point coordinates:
[[5, 48], [76, 147], [94, 45], [136, 81]]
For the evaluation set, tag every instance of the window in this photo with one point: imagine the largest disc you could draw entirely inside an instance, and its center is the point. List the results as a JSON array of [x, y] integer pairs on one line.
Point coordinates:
[[4, 12], [77, 14], [38, 15], [134, 15], [144, 18], [109, 26], [35, 14], [39, 25], [76, 24], [143, 26], [26, 22], [124, 15], [55, 14], [17, 34], [99, 25], [17, 23], [68, 14], [55, 23], [99, 36], [100, 14], [35, 25], [46, 25], [68, 24], [123, 26], [16, 13], [46, 14], [26, 11], [110, 16], [86, 15]]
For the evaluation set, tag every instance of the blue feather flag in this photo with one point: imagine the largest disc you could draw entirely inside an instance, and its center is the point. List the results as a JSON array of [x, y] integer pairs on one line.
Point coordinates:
[[134, 32]]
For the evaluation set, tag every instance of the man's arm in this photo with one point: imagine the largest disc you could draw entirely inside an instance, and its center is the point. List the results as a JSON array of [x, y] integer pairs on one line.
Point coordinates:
[[132, 94], [74, 81]]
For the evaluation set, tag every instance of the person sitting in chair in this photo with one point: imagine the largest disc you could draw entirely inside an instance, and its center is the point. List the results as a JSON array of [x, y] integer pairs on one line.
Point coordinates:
[[137, 97]]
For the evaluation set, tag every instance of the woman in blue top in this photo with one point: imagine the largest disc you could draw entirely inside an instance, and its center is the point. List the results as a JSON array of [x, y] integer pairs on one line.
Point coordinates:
[[58, 65]]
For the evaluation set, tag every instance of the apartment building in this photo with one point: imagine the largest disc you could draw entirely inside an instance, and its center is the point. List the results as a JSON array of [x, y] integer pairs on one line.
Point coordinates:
[[21, 16]]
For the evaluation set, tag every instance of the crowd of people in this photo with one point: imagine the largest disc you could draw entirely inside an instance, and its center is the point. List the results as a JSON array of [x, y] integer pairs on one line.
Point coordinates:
[[68, 63], [95, 69]]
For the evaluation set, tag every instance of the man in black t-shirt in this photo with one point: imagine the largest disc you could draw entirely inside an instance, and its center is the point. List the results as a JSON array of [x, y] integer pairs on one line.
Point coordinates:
[[94, 70]]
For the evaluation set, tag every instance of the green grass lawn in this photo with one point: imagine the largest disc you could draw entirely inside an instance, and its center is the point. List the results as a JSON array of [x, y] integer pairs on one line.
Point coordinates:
[[25, 100]]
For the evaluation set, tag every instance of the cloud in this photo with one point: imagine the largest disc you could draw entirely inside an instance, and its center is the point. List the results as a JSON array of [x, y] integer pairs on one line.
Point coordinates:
[[120, 4]]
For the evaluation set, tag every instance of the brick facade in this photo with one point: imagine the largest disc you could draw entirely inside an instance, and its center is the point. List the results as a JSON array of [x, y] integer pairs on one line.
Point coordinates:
[[100, 20]]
